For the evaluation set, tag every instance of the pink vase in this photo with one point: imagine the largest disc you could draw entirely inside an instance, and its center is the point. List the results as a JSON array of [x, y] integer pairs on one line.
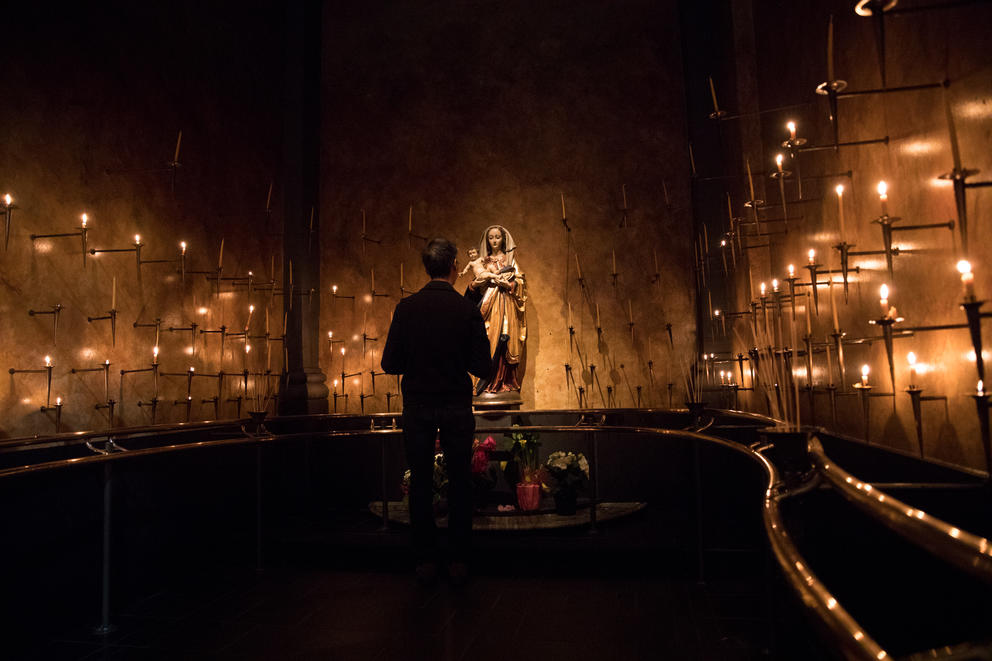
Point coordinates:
[[528, 496]]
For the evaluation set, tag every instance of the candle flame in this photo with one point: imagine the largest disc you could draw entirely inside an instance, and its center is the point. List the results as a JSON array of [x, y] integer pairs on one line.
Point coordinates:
[[865, 371], [791, 126], [106, 362], [774, 284], [191, 369], [792, 270], [155, 351], [58, 401], [247, 348], [8, 199], [342, 351], [883, 189], [723, 243], [334, 289], [964, 266], [716, 313], [911, 357], [84, 218], [839, 189], [202, 310], [981, 387], [883, 292], [251, 309], [137, 239], [778, 159], [762, 289], [335, 383], [812, 255], [330, 335], [48, 361], [182, 245]]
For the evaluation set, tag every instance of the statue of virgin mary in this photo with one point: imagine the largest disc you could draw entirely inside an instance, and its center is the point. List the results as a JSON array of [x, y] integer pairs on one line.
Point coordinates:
[[500, 289]]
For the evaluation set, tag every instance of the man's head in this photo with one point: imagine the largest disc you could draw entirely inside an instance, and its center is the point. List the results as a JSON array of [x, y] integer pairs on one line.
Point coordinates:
[[439, 258]]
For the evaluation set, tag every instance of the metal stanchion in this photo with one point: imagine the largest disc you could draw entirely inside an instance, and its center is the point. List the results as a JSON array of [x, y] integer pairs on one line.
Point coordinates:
[[385, 493], [108, 481], [595, 482], [258, 507]]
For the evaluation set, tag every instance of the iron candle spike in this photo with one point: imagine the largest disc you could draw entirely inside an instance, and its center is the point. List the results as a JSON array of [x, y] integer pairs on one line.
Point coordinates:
[[112, 316], [886, 323], [56, 312], [192, 330], [814, 286], [982, 406], [839, 346], [973, 312], [8, 209]]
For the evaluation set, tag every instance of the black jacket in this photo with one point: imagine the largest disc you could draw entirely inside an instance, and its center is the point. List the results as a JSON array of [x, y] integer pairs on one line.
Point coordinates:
[[436, 339]]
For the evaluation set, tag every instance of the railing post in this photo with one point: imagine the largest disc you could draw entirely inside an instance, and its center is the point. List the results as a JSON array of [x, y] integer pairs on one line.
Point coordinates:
[[385, 492], [108, 482], [258, 506], [697, 474], [591, 435]]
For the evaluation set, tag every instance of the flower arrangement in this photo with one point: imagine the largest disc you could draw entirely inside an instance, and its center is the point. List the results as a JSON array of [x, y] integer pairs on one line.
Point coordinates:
[[440, 481], [569, 471], [524, 450]]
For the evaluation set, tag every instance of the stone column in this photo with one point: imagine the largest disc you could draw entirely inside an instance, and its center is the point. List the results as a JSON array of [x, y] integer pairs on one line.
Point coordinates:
[[303, 389]]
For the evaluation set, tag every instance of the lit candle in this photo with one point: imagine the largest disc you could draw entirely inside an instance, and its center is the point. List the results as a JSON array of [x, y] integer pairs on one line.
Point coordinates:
[[334, 290], [762, 290], [335, 389], [911, 357], [83, 218], [155, 355], [48, 361], [343, 371], [137, 239], [883, 299], [563, 206], [723, 378], [113, 294], [864, 375], [8, 200], [58, 401], [981, 388], [792, 271], [774, 285], [883, 197], [251, 311], [778, 162], [967, 279], [812, 257], [792, 131], [716, 108], [182, 247], [830, 49], [840, 208]]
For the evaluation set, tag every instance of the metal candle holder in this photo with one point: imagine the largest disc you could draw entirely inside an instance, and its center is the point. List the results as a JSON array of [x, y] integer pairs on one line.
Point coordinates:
[[58, 414], [153, 404], [916, 396], [982, 406], [56, 312], [109, 405], [136, 250], [188, 403], [112, 316], [886, 222], [46, 370], [191, 329], [82, 234], [156, 324], [222, 331], [958, 177], [105, 368]]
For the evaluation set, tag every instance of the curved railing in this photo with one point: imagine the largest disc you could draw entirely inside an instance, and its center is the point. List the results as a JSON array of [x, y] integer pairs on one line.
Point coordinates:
[[849, 636], [963, 549]]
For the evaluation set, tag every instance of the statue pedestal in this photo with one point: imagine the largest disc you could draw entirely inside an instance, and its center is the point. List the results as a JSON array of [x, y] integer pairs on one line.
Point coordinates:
[[495, 401]]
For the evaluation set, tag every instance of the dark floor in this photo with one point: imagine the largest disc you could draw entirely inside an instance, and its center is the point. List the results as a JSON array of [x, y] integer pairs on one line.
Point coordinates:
[[327, 614]]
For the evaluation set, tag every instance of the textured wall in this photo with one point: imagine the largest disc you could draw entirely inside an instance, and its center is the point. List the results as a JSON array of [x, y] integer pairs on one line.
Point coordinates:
[[484, 113], [93, 100], [790, 60]]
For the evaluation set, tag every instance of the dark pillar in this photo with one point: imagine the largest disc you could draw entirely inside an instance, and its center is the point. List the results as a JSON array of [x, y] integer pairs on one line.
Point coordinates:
[[304, 390]]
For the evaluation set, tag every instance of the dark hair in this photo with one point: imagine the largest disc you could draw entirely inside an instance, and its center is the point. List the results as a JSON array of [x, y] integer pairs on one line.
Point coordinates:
[[439, 257]]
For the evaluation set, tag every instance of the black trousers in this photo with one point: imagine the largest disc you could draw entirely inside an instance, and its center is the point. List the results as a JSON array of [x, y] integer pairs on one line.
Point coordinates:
[[454, 425]]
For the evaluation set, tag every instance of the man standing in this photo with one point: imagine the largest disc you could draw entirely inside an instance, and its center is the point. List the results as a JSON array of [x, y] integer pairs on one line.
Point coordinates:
[[436, 339]]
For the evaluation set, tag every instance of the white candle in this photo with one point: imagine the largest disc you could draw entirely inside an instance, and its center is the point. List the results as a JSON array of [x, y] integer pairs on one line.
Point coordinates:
[[809, 322], [792, 131], [840, 208], [830, 367], [967, 279], [578, 268], [778, 162], [179, 141], [750, 179], [812, 256], [716, 108], [598, 324], [570, 316], [864, 374], [952, 132], [83, 219], [883, 299], [220, 256], [563, 206], [268, 198], [883, 197], [911, 358], [410, 220], [623, 189], [113, 294]]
